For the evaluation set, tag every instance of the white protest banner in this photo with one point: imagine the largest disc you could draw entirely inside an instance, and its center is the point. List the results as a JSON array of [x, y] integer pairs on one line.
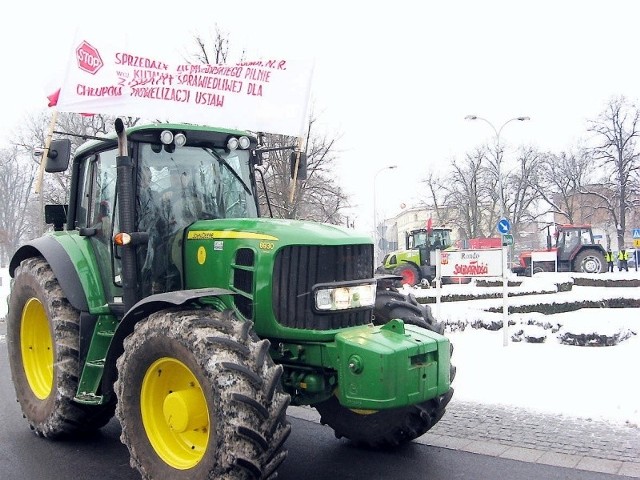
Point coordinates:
[[104, 77], [486, 262]]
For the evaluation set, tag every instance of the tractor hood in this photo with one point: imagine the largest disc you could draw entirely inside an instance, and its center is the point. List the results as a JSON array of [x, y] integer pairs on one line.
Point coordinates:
[[273, 267], [279, 231]]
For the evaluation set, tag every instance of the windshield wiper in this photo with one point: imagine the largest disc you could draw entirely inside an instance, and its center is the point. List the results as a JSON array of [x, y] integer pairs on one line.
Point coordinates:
[[222, 161]]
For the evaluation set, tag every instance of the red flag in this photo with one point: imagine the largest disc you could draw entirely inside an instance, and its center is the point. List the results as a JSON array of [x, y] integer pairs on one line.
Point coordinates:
[[429, 225], [53, 98]]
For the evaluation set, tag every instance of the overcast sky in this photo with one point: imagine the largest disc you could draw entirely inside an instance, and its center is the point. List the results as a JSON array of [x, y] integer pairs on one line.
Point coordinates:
[[395, 82]]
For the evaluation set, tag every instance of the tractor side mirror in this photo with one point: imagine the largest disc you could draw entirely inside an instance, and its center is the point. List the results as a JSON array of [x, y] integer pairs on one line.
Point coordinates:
[[56, 215], [58, 156], [301, 159]]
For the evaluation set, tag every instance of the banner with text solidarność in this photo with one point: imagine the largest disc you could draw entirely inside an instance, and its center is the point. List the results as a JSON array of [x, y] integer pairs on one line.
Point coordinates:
[[472, 263]]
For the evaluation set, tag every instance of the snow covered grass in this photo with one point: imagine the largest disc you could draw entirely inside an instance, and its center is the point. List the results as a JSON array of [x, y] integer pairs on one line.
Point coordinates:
[[598, 382]]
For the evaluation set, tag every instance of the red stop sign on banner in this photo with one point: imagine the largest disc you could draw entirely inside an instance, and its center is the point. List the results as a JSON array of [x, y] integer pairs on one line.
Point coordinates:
[[88, 58]]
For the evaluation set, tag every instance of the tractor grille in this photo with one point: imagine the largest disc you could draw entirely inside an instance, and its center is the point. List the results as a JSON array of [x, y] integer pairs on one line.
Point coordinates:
[[298, 268]]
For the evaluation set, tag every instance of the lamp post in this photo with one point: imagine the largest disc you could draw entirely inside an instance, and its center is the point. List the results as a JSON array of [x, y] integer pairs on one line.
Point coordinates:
[[503, 214], [375, 216]]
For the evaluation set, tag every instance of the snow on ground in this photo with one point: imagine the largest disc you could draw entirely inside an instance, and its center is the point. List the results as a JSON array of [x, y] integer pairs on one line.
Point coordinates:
[[591, 382]]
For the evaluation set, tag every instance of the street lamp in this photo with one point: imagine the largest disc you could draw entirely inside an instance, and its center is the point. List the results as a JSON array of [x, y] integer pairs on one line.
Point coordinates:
[[503, 214], [375, 216]]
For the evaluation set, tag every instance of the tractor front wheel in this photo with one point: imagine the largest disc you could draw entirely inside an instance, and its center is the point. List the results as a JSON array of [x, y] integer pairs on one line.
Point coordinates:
[[382, 428], [409, 273], [392, 427], [43, 340], [200, 397]]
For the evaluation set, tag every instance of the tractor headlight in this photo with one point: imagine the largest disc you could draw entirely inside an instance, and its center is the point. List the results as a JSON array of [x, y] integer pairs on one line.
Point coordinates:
[[329, 298]]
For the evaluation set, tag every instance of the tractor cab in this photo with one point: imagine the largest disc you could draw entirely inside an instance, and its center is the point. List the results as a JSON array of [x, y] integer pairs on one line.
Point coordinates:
[[427, 241], [570, 239]]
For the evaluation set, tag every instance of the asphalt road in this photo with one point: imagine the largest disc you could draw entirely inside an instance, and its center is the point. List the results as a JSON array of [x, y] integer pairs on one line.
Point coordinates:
[[314, 454]]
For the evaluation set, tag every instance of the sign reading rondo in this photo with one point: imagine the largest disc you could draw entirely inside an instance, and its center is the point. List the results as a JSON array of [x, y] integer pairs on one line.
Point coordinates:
[[486, 262]]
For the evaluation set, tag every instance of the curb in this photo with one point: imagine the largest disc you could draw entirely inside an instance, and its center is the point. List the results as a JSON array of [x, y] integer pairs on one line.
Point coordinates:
[[510, 450]]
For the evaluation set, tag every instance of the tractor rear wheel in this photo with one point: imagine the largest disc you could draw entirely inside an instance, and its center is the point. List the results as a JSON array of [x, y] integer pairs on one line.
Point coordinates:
[[390, 428], [590, 261], [200, 397], [409, 273], [43, 340]]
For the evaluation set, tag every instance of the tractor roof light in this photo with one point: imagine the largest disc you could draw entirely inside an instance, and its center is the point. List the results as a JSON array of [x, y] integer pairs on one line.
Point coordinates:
[[166, 137], [244, 142], [180, 139], [232, 143]]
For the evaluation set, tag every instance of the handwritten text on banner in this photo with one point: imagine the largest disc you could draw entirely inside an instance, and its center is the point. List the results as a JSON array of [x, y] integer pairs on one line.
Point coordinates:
[[263, 95]]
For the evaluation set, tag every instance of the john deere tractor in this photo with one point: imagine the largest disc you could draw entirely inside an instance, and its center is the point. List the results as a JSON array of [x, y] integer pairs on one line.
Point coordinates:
[[160, 296]]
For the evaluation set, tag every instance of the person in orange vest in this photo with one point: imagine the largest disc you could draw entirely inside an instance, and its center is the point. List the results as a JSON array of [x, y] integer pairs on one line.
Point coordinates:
[[623, 258], [609, 259]]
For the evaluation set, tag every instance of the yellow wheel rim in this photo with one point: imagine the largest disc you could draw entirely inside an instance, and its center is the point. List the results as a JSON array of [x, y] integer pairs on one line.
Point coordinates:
[[36, 346], [175, 413]]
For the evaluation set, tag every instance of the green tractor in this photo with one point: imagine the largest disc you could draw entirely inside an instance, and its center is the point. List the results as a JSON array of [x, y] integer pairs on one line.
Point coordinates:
[[161, 297], [417, 262]]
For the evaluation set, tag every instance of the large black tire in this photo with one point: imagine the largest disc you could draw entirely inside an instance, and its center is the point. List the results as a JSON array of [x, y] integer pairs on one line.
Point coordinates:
[[392, 427], [43, 340], [382, 429], [590, 261], [200, 397], [392, 304]]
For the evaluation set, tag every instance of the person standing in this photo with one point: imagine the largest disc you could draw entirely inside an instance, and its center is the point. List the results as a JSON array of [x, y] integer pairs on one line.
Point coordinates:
[[609, 259], [623, 258]]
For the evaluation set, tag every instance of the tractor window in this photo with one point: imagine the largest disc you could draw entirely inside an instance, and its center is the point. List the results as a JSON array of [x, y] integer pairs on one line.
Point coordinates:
[[102, 196], [587, 237], [200, 183], [175, 188], [85, 178], [103, 217], [419, 239]]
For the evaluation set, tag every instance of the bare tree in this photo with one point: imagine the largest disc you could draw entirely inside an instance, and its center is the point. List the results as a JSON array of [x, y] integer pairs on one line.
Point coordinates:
[[16, 197], [465, 194], [616, 131], [521, 199], [318, 198], [560, 177], [29, 142]]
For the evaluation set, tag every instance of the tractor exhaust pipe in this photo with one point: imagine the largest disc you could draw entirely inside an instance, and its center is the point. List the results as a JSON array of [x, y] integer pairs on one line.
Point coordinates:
[[126, 210]]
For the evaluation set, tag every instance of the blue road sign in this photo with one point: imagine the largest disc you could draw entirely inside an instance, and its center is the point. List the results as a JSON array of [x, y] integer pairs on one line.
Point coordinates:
[[504, 226], [636, 233]]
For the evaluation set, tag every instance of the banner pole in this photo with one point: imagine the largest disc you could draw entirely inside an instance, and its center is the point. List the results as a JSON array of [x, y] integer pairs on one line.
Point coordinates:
[[45, 152], [294, 180]]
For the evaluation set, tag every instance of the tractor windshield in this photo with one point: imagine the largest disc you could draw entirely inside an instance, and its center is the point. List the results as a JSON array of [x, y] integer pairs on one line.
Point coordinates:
[[430, 239], [186, 184]]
